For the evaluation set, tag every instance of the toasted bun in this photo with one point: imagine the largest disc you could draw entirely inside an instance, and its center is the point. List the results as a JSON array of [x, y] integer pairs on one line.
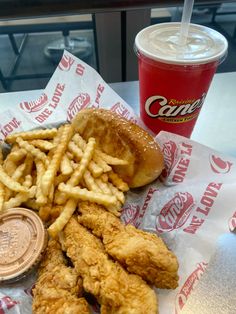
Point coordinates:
[[125, 140]]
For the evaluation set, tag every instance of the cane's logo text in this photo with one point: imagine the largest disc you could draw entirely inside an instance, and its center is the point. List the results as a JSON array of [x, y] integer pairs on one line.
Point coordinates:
[[133, 214], [189, 286], [173, 110], [35, 105], [80, 102], [175, 213]]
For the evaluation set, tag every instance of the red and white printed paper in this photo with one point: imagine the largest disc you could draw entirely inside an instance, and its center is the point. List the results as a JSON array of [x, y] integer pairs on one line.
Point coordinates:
[[190, 207]]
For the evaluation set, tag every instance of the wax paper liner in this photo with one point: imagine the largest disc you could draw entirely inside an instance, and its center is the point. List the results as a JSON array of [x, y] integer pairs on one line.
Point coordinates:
[[192, 204]]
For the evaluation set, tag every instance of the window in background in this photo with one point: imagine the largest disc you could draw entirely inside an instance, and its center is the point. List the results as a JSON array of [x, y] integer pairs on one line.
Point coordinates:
[[43, 47]]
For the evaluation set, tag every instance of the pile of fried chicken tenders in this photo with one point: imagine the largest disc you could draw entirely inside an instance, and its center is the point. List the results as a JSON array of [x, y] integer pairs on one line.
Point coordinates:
[[76, 177]]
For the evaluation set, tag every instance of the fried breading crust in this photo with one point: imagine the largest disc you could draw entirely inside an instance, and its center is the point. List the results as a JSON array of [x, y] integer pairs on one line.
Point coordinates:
[[117, 291], [58, 286], [140, 252]]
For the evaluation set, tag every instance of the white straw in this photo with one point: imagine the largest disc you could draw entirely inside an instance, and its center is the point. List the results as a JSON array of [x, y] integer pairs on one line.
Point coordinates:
[[186, 17]]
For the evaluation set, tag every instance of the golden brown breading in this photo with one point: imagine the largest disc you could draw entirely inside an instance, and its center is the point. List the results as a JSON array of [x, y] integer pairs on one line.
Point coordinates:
[[58, 286], [140, 252], [117, 291]]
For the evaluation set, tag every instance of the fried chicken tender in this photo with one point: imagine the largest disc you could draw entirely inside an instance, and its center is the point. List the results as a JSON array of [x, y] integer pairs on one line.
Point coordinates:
[[117, 291], [140, 252], [58, 287]]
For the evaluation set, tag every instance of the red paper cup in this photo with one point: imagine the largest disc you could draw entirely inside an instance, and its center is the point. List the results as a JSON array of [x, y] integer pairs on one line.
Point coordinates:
[[174, 82]]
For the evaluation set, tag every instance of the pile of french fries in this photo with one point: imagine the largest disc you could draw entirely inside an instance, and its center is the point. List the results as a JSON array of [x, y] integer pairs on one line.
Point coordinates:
[[51, 170]]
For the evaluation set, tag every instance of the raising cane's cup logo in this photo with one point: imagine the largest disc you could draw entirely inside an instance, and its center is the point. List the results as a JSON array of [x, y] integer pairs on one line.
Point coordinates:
[[175, 213], [170, 152], [66, 63], [36, 105], [80, 102], [130, 214], [173, 110], [189, 286], [219, 165]]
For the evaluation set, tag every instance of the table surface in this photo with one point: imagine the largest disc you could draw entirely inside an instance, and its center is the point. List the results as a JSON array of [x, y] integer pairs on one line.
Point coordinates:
[[216, 125]]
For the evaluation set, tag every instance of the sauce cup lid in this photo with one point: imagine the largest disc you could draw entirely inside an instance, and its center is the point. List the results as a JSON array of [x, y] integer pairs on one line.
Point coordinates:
[[23, 239]]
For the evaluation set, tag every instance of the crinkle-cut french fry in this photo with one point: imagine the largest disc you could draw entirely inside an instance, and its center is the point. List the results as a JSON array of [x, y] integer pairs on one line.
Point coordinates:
[[61, 178], [56, 141], [41, 199], [2, 195], [117, 181], [86, 195], [110, 160], [65, 166], [87, 156], [17, 155], [42, 144], [55, 212], [60, 198], [76, 147], [92, 167], [50, 173], [104, 187], [90, 182], [11, 162], [10, 183], [101, 163], [31, 135], [19, 198], [30, 203], [104, 177], [115, 209], [118, 194], [28, 181], [44, 212], [80, 142], [32, 191], [9, 166], [29, 161], [51, 194], [75, 150], [79, 171], [33, 150], [95, 169], [18, 173], [64, 217]]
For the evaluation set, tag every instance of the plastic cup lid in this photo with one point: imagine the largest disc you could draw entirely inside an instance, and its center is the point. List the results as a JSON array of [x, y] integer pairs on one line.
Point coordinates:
[[160, 42], [23, 238]]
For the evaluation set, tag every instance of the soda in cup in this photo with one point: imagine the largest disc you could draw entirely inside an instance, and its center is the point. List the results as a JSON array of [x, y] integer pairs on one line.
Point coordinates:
[[174, 79]]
